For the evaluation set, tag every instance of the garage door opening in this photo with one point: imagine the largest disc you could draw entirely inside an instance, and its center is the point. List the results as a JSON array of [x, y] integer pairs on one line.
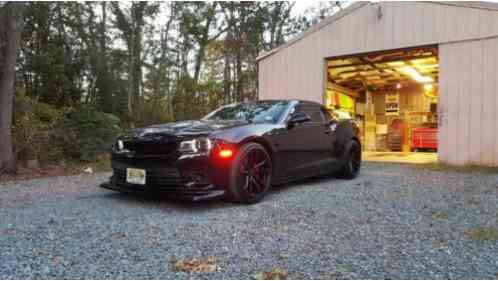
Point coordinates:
[[393, 95]]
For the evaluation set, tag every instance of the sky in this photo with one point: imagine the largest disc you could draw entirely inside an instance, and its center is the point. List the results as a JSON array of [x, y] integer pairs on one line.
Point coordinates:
[[301, 6]]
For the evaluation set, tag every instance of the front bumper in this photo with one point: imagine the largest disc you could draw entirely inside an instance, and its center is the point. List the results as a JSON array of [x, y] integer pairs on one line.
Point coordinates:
[[192, 179], [208, 192]]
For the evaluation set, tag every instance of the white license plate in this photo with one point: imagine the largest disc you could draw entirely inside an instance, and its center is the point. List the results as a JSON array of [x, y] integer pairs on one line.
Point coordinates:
[[135, 176]]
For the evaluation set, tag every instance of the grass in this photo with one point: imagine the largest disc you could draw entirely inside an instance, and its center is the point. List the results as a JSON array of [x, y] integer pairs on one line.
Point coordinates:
[[482, 233], [440, 167]]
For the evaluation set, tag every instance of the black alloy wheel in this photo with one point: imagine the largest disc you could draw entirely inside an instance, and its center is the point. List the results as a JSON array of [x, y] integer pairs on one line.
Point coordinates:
[[251, 174], [352, 164]]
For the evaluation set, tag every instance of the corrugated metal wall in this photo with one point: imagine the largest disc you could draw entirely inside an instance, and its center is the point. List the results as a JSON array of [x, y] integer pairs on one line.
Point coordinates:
[[468, 105], [468, 67]]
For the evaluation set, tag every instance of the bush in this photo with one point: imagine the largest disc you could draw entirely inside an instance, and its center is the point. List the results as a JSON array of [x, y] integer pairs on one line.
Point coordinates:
[[88, 133], [35, 125], [50, 135]]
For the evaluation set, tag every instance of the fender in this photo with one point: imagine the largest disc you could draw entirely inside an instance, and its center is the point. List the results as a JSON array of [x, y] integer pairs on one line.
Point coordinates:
[[269, 146], [346, 130]]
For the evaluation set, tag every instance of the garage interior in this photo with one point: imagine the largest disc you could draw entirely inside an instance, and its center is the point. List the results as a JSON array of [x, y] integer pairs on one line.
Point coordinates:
[[393, 95]]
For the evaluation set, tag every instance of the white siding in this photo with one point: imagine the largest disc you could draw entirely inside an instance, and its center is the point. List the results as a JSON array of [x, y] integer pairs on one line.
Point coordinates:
[[295, 69], [468, 106]]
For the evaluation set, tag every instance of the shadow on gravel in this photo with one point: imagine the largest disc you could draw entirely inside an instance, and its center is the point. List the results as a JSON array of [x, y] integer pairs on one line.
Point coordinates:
[[295, 185], [160, 201]]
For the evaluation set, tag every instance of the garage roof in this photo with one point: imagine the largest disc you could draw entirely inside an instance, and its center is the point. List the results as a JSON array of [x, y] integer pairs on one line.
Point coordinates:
[[466, 4]]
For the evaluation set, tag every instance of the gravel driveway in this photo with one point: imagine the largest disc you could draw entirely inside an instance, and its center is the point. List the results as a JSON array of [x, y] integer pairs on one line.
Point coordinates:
[[394, 221]]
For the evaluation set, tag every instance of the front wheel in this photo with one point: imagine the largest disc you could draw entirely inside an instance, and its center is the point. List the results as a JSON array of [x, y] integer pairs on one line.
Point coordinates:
[[250, 174], [352, 163]]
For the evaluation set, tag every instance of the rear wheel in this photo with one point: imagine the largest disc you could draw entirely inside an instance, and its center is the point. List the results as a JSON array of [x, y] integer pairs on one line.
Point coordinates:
[[352, 164], [250, 175]]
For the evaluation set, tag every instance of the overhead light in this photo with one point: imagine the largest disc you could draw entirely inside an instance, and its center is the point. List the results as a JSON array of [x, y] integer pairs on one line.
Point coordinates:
[[396, 63], [428, 87], [415, 75], [398, 86]]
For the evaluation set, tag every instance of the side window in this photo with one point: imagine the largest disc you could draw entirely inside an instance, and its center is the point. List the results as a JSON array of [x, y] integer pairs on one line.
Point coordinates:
[[312, 111]]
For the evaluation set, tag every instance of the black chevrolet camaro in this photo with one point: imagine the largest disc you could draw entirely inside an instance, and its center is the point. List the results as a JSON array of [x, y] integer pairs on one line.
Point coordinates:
[[236, 152]]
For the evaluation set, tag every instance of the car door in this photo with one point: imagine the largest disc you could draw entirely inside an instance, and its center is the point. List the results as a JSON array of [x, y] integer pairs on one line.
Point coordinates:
[[304, 146], [330, 140]]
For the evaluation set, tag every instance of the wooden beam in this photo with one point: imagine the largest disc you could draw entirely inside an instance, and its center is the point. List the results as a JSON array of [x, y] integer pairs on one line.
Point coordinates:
[[383, 61], [348, 91]]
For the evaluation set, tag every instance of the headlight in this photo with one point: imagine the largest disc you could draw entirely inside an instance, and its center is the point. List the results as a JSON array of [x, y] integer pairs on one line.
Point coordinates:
[[120, 145], [198, 145]]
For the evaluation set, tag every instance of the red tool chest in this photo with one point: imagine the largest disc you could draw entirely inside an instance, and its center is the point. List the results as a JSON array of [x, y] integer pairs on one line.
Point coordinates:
[[424, 138]]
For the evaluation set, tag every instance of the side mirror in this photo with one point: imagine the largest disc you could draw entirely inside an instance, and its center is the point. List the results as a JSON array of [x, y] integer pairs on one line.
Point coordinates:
[[298, 117], [333, 121]]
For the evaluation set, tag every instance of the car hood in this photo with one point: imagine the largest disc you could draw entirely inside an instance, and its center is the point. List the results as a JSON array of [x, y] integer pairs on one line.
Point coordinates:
[[186, 128]]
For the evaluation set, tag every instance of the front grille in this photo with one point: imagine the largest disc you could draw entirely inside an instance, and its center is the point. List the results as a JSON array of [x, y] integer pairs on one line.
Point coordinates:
[[152, 145], [161, 179]]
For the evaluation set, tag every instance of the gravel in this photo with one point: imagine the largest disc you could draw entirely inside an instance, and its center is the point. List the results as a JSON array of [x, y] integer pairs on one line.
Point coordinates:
[[394, 221]]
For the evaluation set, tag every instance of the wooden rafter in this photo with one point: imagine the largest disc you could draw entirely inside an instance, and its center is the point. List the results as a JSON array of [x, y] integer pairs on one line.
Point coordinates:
[[375, 71]]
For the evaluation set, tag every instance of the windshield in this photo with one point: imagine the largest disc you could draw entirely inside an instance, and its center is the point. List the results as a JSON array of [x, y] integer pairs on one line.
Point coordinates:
[[255, 112]]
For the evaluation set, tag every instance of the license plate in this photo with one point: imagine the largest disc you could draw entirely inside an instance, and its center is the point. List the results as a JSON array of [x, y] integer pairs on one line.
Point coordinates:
[[135, 176]]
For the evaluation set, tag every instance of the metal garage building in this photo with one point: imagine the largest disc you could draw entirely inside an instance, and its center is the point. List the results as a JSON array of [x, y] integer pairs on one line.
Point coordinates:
[[384, 49]]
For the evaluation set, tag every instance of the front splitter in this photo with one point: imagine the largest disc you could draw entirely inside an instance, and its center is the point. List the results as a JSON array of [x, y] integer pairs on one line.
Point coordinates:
[[190, 195]]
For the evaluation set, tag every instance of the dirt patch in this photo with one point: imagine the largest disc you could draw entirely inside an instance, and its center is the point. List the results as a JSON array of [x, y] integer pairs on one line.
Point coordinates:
[[276, 273], [196, 265], [69, 169], [482, 233]]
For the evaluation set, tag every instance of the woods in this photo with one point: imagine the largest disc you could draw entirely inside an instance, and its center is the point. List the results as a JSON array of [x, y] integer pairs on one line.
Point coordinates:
[[129, 64]]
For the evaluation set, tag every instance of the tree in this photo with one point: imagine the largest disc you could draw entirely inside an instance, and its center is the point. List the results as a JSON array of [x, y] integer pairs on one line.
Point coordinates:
[[253, 27], [10, 32], [93, 34], [53, 56], [160, 74], [121, 59], [131, 25], [322, 10]]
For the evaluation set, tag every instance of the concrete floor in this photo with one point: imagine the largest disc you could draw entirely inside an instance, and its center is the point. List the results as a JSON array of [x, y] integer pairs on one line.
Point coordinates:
[[400, 157]]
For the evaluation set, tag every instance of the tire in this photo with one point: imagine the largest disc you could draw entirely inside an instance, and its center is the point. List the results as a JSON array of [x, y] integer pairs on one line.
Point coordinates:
[[250, 174], [352, 161]]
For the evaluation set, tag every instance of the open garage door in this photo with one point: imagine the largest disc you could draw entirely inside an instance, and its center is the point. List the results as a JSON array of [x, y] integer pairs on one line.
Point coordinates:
[[393, 95]]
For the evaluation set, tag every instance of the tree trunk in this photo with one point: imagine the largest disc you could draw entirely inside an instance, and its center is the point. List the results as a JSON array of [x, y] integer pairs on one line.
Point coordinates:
[[104, 80], [131, 66], [240, 77], [227, 79], [10, 33]]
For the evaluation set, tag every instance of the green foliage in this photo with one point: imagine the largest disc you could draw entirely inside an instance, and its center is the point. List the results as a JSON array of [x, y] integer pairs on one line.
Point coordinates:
[[35, 129], [150, 112], [50, 135], [51, 54], [116, 57], [88, 133], [79, 60]]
